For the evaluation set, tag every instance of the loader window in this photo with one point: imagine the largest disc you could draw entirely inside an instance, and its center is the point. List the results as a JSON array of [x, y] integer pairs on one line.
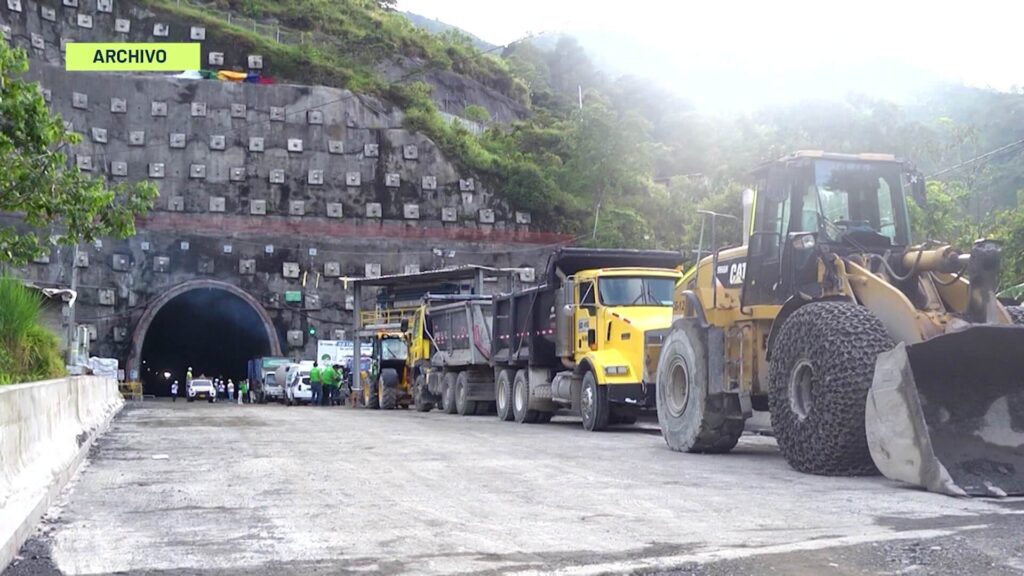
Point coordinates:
[[860, 195], [393, 349]]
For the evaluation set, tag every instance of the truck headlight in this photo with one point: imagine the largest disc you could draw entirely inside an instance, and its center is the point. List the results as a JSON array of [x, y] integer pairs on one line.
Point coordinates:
[[616, 370]]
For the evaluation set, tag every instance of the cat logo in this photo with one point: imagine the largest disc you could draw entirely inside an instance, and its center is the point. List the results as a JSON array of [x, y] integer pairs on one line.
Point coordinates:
[[737, 272]]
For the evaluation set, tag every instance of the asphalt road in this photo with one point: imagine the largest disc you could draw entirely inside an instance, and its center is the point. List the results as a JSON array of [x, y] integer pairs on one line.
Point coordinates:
[[224, 489]]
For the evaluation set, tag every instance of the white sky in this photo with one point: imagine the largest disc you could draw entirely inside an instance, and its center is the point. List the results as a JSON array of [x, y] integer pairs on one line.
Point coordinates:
[[726, 53]]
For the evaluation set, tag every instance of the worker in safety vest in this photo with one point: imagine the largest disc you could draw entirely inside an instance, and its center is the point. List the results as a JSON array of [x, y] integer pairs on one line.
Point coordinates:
[[329, 376], [316, 383]]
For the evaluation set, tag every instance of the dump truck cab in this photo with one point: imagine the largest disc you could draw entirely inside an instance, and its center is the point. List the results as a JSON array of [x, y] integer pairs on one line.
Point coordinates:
[[852, 336]]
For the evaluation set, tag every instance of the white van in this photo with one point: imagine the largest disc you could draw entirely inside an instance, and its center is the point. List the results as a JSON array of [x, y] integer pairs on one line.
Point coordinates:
[[298, 389]]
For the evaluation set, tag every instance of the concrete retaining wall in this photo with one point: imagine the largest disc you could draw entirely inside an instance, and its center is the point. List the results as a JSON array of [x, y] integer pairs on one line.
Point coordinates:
[[46, 429]]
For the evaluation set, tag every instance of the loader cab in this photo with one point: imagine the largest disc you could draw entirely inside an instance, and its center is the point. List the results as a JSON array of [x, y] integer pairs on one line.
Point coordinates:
[[810, 203]]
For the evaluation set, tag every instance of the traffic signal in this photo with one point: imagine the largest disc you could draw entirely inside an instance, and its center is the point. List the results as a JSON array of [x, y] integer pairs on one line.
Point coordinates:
[[312, 330]]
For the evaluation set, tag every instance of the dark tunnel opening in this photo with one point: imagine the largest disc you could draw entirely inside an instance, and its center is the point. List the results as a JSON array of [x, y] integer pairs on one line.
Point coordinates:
[[212, 330]]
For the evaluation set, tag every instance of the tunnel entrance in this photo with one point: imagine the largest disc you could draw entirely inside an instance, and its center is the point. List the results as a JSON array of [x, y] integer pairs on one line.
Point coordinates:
[[213, 330]]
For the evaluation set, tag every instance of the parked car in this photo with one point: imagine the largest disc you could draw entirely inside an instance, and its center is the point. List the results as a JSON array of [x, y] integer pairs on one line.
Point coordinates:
[[202, 388], [298, 389]]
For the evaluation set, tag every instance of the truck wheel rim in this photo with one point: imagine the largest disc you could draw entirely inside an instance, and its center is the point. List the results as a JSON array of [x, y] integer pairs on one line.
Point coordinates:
[[502, 396], [678, 390], [801, 384], [587, 402], [520, 403]]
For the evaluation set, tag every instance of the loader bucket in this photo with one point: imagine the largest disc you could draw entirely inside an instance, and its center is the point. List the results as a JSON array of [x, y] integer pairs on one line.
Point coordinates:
[[948, 414]]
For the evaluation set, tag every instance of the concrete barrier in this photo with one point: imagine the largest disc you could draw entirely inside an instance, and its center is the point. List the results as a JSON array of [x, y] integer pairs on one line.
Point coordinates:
[[46, 429]]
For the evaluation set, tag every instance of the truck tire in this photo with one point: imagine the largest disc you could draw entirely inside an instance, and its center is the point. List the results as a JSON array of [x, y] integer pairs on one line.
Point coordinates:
[[463, 406], [388, 389], [689, 419], [448, 394], [371, 399], [821, 368], [1016, 314], [594, 407], [521, 400], [417, 395], [503, 395], [625, 416]]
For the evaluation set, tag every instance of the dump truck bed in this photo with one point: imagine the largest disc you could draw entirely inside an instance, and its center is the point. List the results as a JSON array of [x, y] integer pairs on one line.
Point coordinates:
[[461, 334]]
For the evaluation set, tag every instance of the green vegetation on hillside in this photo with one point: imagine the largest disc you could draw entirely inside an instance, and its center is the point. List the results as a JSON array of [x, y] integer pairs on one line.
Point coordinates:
[[28, 351]]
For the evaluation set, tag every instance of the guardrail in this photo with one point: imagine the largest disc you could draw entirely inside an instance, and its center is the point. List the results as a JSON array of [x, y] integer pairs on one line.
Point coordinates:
[[386, 317]]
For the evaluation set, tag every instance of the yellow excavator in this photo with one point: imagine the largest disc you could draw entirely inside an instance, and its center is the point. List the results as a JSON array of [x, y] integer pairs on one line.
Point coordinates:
[[872, 350]]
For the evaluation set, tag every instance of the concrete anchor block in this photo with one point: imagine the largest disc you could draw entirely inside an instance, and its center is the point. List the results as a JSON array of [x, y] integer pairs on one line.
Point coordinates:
[[411, 211], [373, 210], [410, 152], [295, 144], [198, 109], [335, 147], [184, 246], [255, 144], [99, 135], [238, 110], [296, 207], [315, 178], [295, 338], [144, 246], [121, 262], [158, 109], [197, 33], [313, 301], [216, 203], [119, 168], [237, 174], [197, 171], [91, 329], [523, 218], [314, 117], [335, 210], [268, 249], [371, 150], [105, 6], [350, 302], [217, 142], [156, 170], [215, 58], [177, 140], [277, 176], [257, 207], [277, 114], [161, 264], [247, 266], [429, 183], [176, 204], [47, 95], [486, 216], [372, 270], [255, 62], [84, 21], [527, 275], [466, 184], [290, 270], [449, 214], [332, 269], [48, 13], [71, 3], [137, 138], [82, 260], [122, 25], [83, 162], [37, 42], [118, 106], [79, 100], [411, 269], [42, 258], [392, 180], [120, 333], [338, 334], [160, 29], [353, 178], [205, 265], [14, 5]]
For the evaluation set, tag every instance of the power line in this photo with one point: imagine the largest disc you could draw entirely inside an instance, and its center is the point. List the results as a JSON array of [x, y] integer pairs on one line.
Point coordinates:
[[977, 158]]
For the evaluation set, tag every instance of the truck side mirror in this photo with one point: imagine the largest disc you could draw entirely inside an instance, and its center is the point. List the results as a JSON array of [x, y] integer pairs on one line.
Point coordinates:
[[404, 326]]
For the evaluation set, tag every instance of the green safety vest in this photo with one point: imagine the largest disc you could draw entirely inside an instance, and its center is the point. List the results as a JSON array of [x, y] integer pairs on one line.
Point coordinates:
[[329, 376], [314, 376]]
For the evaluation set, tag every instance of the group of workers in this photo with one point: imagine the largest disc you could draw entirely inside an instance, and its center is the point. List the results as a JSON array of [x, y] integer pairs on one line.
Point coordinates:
[[326, 384], [224, 391]]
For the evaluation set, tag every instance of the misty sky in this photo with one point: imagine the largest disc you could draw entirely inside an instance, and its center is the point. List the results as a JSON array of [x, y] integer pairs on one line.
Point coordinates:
[[730, 55]]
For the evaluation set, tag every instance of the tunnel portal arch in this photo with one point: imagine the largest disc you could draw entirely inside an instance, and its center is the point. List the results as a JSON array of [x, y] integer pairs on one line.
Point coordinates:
[[132, 368]]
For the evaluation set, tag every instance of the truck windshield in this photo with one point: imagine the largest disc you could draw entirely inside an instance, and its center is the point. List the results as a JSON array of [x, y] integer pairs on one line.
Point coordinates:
[[393, 349], [270, 379], [852, 195], [636, 291]]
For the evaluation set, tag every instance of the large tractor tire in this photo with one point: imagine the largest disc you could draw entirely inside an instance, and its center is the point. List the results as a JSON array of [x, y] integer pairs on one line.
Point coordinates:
[[594, 408], [1016, 314], [448, 394], [690, 419], [822, 365], [388, 389], [419, 388], [463, 406], [521, 400], [503, 395], [370, 397]]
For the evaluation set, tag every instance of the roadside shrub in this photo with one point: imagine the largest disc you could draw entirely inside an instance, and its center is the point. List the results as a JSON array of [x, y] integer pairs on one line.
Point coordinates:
[[28, 351]]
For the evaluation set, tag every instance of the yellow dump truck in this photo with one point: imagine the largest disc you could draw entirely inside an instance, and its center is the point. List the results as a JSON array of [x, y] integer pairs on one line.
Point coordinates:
[[872, 351]]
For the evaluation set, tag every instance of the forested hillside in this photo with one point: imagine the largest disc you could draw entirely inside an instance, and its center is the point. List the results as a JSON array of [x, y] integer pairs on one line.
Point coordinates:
[[639, 161]]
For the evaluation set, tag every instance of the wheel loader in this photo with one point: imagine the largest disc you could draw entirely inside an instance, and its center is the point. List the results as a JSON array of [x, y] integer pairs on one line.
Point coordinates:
[[386, 384], [872, 350]]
